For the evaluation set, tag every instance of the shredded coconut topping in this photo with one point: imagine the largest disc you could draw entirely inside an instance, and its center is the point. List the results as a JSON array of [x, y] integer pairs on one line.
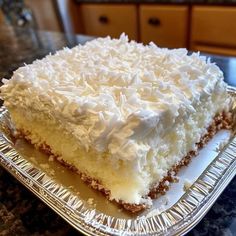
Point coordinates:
[[111, 89]]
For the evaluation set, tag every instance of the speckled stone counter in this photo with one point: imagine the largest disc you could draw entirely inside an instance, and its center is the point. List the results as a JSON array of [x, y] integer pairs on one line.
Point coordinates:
[[21, 213]]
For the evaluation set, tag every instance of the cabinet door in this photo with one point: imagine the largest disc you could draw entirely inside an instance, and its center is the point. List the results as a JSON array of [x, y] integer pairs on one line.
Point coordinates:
[[213, 26], [167, 26], [109, 19]]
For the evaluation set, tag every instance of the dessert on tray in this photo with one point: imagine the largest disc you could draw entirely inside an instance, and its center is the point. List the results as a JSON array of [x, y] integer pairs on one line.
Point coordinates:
[[125, 116]]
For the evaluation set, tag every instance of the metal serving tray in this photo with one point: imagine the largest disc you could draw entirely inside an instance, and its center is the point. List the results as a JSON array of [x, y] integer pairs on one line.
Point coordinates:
[[88, 211]]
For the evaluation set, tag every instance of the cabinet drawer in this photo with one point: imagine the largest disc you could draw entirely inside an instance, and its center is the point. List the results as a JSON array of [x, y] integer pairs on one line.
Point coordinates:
[[214, 25], [164, 25], [107, 19], [214, 50]]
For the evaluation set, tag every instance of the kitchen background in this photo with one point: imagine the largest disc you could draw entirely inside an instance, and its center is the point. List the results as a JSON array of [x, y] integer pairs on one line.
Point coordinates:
[[199, 25]]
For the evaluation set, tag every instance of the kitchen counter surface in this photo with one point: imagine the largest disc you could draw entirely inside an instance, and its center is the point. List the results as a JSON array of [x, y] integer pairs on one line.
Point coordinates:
[[21, 213]]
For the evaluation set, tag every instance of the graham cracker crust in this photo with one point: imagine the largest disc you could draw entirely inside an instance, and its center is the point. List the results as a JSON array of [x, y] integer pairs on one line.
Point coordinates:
[[223, 120]]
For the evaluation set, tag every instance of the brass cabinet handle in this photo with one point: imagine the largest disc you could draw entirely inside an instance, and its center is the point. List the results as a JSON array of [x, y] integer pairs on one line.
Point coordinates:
[[103, 19], [154, 21]]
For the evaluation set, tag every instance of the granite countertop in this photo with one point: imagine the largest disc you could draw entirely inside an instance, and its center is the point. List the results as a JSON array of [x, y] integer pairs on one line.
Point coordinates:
[[21, 213]]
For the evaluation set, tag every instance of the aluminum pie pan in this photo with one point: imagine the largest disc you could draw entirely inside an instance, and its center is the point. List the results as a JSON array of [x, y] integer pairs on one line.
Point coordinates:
[[182, 216]]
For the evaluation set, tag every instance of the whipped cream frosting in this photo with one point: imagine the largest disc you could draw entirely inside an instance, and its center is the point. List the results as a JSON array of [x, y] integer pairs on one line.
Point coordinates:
[[112, 94]]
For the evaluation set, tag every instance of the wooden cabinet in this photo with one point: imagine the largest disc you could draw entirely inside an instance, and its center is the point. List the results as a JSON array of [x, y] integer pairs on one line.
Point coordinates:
[[214, 29], [165, 25], [200, 28], [109, 19], [214, 49], [1, 17]]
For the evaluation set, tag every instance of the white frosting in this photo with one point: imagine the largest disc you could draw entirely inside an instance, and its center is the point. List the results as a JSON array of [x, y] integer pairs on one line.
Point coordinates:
[[114, 95]]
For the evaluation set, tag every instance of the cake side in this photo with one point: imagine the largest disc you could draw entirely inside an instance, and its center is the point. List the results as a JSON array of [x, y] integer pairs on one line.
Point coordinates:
[[128, 181], [127, 184]]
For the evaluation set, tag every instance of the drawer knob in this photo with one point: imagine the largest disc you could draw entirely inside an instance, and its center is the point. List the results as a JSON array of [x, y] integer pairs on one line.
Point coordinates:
[[154, 21], [103, 19]]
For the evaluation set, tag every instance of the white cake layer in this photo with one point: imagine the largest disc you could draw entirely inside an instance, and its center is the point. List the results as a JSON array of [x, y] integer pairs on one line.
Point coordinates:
[[129, 180], [139, 108]]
